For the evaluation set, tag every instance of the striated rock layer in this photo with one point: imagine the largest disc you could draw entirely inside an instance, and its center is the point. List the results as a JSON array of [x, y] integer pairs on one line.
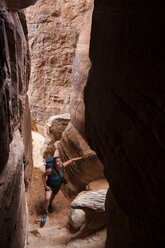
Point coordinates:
[[125, 118], [15, 124], [54, 28]]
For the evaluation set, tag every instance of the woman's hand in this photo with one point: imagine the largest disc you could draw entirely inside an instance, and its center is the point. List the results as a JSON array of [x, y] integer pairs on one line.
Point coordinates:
[[47, 188], [74, 160]]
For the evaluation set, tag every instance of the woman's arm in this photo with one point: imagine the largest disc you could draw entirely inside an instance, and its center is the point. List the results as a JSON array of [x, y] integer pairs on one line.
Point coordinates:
[[73, 160], [44, 175]]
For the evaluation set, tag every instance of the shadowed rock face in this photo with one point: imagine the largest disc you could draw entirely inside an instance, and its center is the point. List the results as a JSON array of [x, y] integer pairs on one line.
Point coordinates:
[[14, 77], [125, 119], [18, 4], [12, 197], [15, 125]]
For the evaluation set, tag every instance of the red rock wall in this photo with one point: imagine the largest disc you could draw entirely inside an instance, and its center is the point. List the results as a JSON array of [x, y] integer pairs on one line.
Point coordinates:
[[12, 197], [54, 28], [15, 124], [124, 101], [81, 65]]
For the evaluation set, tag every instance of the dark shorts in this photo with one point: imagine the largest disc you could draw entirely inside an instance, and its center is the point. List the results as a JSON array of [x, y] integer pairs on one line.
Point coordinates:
[[54, 189]]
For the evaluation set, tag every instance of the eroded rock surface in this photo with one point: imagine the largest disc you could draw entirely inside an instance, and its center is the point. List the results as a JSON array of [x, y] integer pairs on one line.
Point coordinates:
[[125, 118], [76, 219], [14, 77], [93, 204], [12, 197], [55, 127], [80, 173], [15, 124], [54, 28], [80, 70]]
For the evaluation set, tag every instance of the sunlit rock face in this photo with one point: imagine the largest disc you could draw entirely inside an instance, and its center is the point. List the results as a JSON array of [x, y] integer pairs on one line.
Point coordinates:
[[73, 143], [54, 28], [15, 125], [55, 127], [79, 173], [124, 101], [80, 71], [93, 204]]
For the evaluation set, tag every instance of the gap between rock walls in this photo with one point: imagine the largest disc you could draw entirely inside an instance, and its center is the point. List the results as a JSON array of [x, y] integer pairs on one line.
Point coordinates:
[[59, 35]]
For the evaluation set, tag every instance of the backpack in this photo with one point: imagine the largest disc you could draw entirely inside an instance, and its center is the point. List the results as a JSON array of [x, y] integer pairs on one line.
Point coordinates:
[[49, 163]]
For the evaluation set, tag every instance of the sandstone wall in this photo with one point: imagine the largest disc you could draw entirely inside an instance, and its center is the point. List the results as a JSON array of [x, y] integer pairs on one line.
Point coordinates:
[[80, 173], [72, 144], [54, 27], [124, 101], [12, 197], [15, 124], [81, 65]]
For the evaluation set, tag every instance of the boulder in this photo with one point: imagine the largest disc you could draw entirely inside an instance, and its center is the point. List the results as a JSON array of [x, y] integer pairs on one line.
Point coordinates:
[[55, 127], [93, 204], [79, 173], [76, 219]]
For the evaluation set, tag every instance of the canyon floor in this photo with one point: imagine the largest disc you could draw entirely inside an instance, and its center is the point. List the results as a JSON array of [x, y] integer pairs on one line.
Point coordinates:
[[55, 233]]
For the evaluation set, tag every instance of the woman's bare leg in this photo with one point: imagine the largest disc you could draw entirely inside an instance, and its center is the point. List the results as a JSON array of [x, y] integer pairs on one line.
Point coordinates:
[[48, 195], [52, 197]]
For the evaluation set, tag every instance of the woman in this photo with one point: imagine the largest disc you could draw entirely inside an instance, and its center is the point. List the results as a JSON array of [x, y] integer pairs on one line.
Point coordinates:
[[53, 183]]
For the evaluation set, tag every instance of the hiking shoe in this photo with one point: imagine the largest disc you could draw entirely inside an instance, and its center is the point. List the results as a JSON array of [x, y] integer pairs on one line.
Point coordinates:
[[50, 208], [44, 218]]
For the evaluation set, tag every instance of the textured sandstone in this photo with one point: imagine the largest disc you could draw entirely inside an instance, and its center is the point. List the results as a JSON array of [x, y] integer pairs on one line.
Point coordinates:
[[15, 125], [80, 70], [55, 127], [12, 197], [54, 27], [76, 219], [124, 101], [14, 80], [80, 173], [93, 204]]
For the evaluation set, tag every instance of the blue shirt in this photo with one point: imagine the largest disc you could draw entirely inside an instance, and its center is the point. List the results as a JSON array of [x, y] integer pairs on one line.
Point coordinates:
[[54, 179]]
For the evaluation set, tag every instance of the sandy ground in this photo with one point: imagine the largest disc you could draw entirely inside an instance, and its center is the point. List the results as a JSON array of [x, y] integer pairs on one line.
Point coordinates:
[[55, 233]]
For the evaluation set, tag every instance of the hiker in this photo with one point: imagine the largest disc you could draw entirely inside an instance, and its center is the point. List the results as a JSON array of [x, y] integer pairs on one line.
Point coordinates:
[[55, 176]]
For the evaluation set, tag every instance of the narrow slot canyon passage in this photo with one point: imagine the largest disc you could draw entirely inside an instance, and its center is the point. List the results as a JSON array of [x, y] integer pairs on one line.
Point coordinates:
[[56, 231], [82, 80], [59, 35]]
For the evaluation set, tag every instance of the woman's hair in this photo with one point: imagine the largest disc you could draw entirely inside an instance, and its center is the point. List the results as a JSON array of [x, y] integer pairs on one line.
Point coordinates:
[[55, 158]]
